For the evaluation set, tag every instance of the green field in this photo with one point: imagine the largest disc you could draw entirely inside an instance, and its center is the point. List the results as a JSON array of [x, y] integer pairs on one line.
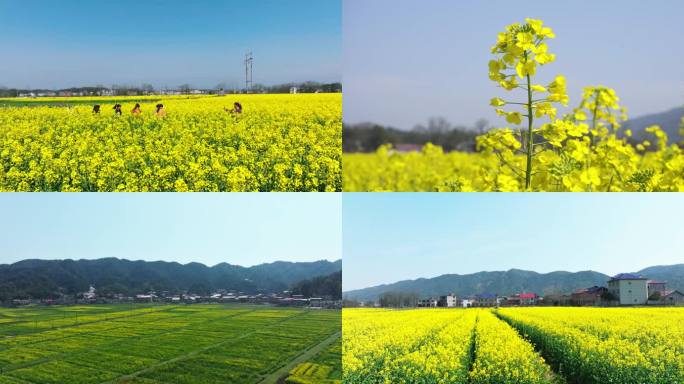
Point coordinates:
[[323, 368], [165, 344]]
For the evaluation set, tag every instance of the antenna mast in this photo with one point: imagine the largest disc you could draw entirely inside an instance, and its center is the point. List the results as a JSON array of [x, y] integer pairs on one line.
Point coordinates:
[[248, 71]]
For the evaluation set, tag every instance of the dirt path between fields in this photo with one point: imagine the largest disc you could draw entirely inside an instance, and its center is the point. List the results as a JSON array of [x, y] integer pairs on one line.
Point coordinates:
[[303, 357]]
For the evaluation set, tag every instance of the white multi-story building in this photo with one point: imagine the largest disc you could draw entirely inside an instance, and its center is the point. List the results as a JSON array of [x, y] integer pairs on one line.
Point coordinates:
[[448, 301], [629, 289]]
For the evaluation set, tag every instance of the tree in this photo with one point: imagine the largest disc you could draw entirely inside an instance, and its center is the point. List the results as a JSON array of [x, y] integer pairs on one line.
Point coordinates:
[[481, 126], [328, 287], [398, 300], [184, 88], [148, 89], [608, 296]]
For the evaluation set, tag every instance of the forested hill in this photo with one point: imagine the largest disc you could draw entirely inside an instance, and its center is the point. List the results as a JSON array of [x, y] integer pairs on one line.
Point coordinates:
[[512, 281], [329, 286], [47, 278]]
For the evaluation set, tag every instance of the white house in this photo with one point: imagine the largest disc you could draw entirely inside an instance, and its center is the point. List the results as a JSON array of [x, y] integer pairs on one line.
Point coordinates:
[[630, 289], [448, 301], [90, 294]]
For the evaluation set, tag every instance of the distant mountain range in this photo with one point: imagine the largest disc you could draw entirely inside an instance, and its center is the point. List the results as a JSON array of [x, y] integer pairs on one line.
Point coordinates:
[[669, 121], [512, 281], [45, 278]]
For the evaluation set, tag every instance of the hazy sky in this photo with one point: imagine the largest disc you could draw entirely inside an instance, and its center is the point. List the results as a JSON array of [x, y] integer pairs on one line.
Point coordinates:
[[405, 61], [396, 236], [238, 228], [55, 44]]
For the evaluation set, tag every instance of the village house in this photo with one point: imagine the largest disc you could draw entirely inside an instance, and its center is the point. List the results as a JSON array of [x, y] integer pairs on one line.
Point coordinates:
[[150, 297], [448, 301], [588, 296], [520, 299], [528, 298], [556, 299], [629, 288], [485, 300], [90, 295], [672, 297], [428, 303], [656, 286]]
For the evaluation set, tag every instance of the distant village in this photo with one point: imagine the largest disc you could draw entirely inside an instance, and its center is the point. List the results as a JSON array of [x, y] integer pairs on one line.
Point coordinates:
[[284, 298], [622, 290], [186, 89]]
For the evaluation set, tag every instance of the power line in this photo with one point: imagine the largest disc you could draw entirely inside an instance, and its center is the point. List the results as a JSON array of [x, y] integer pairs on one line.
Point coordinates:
[[249, 62]]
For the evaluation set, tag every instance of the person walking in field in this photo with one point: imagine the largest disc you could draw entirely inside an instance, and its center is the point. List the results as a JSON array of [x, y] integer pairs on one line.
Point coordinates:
[[96, 108], [237, 108], [117, 109], [136, 110], [161, 112]]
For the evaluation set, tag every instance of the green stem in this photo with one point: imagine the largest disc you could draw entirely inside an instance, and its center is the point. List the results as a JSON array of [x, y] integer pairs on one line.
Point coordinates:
[[593, 129], [530, 135], [593, 119]]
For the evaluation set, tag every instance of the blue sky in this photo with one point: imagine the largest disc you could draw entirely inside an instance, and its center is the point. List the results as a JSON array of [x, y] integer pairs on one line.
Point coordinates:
[[406, 61], [396, 236], [56, 44], [238, 228]]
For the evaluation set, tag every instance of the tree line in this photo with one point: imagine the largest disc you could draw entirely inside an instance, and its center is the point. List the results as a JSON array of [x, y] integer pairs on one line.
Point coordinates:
[[367, 137]]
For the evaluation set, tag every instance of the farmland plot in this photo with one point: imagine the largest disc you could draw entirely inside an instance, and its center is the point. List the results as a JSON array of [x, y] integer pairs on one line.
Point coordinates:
[[160, 344], [535, 345], [278, 143]]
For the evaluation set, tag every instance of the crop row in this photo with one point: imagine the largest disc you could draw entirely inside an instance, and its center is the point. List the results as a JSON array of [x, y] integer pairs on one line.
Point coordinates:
[[502, 356], [592, 345]]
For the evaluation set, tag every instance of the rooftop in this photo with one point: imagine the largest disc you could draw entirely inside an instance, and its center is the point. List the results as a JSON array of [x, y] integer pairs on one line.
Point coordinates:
[[627, 276]]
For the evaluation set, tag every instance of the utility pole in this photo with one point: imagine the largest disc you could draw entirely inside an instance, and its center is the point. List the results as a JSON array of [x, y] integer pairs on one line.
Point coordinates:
[[249, 60]]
